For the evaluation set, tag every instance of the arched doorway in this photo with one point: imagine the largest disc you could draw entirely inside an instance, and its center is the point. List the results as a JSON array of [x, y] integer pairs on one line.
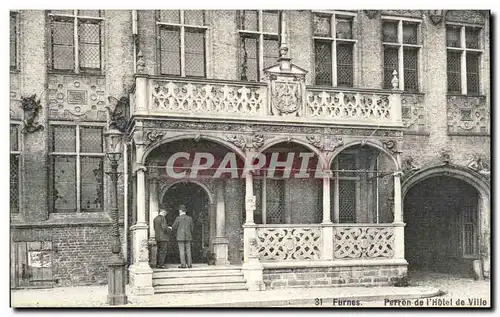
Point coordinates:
[[195, 198], [442, 225]]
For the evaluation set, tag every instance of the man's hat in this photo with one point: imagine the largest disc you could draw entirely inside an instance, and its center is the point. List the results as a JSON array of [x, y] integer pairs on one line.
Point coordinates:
[[182, 207]]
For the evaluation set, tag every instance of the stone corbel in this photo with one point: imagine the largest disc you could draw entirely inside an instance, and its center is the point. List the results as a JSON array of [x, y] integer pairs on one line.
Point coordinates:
[[117, 111], [247, 142], [436, 16], [371, 13], [152, 137]]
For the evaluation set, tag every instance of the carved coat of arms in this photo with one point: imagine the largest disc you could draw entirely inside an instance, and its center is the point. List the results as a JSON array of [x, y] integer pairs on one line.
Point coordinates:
[[286, 98]]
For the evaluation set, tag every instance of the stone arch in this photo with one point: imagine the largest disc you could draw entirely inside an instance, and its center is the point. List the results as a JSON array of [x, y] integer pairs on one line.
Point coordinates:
[[165, 189], [476, 181], [214, 139], [374, 145], [321, 156]]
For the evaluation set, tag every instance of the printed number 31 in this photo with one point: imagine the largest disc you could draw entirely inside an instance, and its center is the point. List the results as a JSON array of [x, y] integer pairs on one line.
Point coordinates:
[[318, 301]]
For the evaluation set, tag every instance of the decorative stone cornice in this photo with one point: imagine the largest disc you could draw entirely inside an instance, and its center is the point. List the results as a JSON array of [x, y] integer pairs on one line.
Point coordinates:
[[465, 16]]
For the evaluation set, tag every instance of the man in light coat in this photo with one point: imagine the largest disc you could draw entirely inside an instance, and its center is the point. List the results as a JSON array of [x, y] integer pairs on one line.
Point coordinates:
[[183, 227]]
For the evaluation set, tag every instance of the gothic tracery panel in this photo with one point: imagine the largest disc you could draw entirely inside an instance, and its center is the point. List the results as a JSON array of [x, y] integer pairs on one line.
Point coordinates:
[[289, 244]]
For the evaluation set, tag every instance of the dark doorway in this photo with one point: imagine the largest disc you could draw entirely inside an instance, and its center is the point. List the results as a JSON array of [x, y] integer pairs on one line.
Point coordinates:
[[442, 232], [195, 198]]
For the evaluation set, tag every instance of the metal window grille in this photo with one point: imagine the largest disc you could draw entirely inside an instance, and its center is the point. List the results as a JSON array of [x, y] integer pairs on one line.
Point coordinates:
[[347, 161], [410, 64], [31, 264], [472, 65], [249, 20], [469, 231], [347, 201], [194, 17], [64, 182], [343, 28], [14, 183], [345, 65], [170, 51], [271, 51], [323, 61], [89, 35], [390, 32], [13, 40], [270, 21], [322, 26], [472, 37], [410, 33], [453, 36], [91, 176], [170, 16], [195, 52], [275, 198], [390, 64], [63, 46], [453, 72], [249, 61]]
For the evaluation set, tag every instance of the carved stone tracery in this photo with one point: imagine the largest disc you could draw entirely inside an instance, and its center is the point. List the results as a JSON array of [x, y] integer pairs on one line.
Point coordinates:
[[289, 244], [363, 242]]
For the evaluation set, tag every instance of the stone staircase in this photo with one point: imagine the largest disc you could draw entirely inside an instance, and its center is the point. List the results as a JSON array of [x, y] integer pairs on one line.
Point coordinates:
[[199, 278]]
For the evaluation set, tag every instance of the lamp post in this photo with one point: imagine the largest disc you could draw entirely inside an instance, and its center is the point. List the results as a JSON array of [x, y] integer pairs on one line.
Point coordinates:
[[116, 264]]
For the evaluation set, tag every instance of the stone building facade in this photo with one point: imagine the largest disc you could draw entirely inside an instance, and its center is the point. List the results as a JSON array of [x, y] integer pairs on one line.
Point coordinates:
[[392, 108]]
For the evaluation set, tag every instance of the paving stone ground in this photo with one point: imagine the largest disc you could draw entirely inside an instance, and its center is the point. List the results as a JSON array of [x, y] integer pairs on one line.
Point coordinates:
[[422, 284]]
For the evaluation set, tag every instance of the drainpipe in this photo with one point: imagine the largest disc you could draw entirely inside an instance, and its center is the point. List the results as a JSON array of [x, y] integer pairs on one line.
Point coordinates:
[[134, 37]]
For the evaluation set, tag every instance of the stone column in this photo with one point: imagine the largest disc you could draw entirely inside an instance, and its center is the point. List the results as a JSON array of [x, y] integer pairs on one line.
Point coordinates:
[[399, 234], [327, 225], [141, 274], [252, 268], [153, 210], [220, 242]]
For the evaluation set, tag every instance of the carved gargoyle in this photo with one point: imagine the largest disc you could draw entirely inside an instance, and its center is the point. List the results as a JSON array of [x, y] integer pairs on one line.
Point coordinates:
[[117, 110], [31, 107]]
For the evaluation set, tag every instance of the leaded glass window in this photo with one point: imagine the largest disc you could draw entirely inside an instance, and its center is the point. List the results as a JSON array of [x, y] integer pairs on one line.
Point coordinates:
[[13, 40], [77, 168], [182, 42], [453, 72], [463, 59], [259, 42], [334, 48], [15, 171], [275, 199], [76, 40], [401, 41]]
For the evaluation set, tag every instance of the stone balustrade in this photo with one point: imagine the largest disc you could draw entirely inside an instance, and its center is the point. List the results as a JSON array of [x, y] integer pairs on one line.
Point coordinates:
[[268, 101], [298, 242]]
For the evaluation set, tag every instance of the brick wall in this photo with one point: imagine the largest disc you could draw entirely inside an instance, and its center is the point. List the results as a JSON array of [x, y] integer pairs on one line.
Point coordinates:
[[80, 253], [333, 276]]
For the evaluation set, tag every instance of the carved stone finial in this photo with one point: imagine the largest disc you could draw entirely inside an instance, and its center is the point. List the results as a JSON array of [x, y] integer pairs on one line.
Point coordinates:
[[31, 107], [395, 80], [141, 64], [371, 13]]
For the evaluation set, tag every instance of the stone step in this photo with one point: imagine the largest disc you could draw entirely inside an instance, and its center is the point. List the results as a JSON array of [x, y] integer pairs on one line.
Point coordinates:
[[200, 288], [194, 273], [199, 280]]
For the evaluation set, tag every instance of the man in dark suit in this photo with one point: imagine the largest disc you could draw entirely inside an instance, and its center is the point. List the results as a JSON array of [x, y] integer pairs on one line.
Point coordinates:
[[183, 226], [161, 237]]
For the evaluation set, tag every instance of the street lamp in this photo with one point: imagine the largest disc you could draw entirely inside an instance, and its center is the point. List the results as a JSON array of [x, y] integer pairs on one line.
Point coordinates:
[[116, 264]]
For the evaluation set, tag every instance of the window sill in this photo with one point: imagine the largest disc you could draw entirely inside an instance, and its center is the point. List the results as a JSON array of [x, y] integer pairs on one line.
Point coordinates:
[[465, 95], [72, 73], [67, 219]]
